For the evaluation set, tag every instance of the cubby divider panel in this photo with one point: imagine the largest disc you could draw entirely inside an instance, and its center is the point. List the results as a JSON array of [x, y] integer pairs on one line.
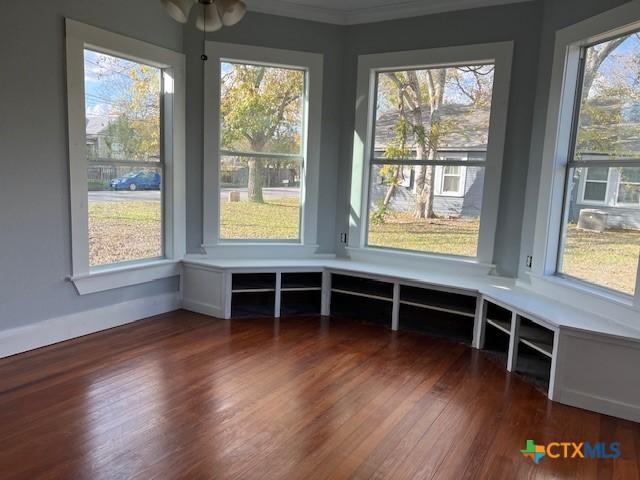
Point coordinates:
[[253, 281], [369, 310], [455, 302], [436, 323], [299, 280], [496, 343], [365, 286], [302, 302], [253, 304]]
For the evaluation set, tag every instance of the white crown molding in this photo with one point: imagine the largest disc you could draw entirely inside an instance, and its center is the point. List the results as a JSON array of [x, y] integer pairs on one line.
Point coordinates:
[[410, 8]]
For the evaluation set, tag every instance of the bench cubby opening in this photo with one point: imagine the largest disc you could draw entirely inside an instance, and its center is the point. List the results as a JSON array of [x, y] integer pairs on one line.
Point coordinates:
[[496, 340], [534, 366], [253, 304], [536, 337], [438, 300], [247, 282], [370, 310], [363, 287], [498, 317], [300, 302], [291, 281], [437, 323]]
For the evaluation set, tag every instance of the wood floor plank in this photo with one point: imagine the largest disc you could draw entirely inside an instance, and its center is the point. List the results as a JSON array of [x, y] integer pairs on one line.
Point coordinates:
[[183, 395]]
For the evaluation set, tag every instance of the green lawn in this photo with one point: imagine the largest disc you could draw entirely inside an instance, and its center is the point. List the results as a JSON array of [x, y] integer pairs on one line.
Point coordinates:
[[609, 258], [124, 231], [277, 219], [450, 236]]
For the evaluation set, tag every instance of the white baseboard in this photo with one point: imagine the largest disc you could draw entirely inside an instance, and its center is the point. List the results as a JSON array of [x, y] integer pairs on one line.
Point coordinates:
[[59, 329], [203, 308], [608, 406]]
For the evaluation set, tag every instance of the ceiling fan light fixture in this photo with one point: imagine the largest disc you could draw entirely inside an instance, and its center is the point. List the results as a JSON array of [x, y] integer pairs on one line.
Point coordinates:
[[208, 19], [178, 9], [231, 11]]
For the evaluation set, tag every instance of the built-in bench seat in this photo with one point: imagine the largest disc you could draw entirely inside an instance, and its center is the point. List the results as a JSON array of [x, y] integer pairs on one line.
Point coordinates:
[[569, 352]]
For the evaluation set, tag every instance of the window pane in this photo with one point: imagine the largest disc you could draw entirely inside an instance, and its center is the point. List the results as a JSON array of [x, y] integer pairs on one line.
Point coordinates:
[[451, 184], [125, 213], [595, 191], [610, 102], [124, 173], [262, 108], [259, 199], [601, 245], [597, 173], [450, 224], [427, 113], [122, 106]]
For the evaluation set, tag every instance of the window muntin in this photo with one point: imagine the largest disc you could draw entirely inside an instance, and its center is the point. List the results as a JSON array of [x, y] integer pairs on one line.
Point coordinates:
[[262, 151], [601, 245], [431, 125], [124, 159]]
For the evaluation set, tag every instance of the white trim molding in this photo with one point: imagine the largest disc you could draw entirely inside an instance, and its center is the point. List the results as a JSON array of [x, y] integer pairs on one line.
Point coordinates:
[[312, 63], [354, 16], [59, 329], [78, 37], [500, 54], [570, 41]]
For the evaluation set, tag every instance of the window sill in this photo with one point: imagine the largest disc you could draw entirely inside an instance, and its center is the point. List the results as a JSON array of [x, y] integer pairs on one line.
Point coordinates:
[[124, 276], [450, 263], [578, 293], [249, 249]]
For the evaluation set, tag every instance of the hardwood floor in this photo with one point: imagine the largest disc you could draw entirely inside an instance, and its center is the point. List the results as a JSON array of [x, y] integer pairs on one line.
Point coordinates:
[[182, 395]]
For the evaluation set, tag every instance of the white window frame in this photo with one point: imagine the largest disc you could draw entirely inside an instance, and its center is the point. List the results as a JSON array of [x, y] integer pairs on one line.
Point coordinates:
[[312, 63], [440, 177], [88, 279], [500, 54], [569, 44]]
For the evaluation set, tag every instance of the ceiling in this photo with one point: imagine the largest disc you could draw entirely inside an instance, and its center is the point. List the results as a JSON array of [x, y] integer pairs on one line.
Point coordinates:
[[349, 12]]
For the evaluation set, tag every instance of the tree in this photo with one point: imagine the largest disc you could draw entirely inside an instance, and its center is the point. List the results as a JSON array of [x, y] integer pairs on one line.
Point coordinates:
[[417, 90], [129, 92], [261, 109]]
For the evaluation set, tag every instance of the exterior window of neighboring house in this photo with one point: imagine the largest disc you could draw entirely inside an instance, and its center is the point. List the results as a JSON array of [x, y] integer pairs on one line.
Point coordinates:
[[261, 157], [600, 233], [595, 185], [125, 150], [450, 179], [629, 187]]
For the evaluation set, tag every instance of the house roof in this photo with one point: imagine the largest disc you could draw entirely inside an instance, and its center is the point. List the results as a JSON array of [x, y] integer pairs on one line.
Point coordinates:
[[469, 132]]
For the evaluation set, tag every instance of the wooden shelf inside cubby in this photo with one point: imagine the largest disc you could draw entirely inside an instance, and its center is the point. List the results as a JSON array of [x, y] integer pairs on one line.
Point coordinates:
[[362, 287], [301, 281], [537, 337], [502, 325], [438, 300], [253, 282]]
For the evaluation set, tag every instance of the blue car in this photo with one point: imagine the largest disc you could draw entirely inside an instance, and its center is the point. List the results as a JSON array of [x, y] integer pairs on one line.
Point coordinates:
[[136, 181]]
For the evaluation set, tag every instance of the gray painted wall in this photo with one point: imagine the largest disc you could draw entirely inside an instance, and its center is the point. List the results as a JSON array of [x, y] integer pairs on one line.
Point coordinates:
[[35, 244], [275, 32], [556, 15], [34, 193], [518, 22]]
